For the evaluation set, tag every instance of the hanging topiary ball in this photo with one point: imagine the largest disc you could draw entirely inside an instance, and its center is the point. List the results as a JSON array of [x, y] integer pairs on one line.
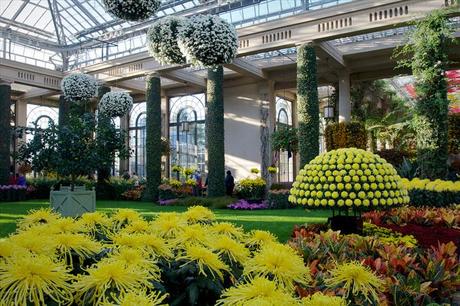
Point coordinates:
[[162, 40], [208, 41], [115, 104], [347, 178], [132, 10], [79, 86]]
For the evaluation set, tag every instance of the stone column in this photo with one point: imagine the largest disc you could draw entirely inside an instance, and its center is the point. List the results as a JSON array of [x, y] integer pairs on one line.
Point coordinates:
[[153, 137], [307, 103], [215, 132], [5, 127], [344, 96]]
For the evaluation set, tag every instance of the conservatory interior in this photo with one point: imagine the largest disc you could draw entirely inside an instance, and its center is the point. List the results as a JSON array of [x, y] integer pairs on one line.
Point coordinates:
[[229, 152]]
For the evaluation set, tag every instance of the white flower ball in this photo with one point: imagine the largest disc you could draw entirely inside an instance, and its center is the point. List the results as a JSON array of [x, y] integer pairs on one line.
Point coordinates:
[[162, 40], [79, 86], [115, 104], [132, 10], [208, 41]]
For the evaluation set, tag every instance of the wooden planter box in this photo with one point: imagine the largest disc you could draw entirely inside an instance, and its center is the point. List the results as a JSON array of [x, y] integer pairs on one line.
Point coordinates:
[[73, 203]]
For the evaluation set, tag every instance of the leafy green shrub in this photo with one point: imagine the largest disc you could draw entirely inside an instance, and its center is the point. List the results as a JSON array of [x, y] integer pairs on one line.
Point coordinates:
[[346, 135], [278, 199], [119, 186], [285, 139], [454, 133], [40, 186], [395, 157], [167, 192], [251, 188]]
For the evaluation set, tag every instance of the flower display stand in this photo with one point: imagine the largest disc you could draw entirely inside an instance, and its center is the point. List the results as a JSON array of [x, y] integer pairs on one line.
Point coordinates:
[[73, 203]]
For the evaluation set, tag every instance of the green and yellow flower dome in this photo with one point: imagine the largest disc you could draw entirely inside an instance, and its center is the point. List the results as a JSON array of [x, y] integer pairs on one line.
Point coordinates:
[[348, 178]]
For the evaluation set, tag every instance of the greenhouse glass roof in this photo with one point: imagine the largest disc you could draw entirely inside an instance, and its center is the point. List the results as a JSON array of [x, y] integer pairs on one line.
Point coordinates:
[[68, 34]]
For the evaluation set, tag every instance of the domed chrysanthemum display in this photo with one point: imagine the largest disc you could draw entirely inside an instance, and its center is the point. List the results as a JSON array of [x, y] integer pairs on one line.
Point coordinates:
[[115, 104], [79, 86], [162, 40], [132, 10], [208, 41], [347, 178]]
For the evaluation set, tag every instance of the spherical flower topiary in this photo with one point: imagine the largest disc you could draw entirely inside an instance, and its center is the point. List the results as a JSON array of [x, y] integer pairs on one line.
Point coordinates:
[[347, 178], [132, 10], [79, 86], [115, 104], [208, 41], [162, 40]]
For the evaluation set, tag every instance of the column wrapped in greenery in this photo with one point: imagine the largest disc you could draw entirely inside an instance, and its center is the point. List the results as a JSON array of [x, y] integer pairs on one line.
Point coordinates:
[[307, 103], [215, 132], [427, 56], [5, 127], [103, 171], [63, 110], [153, 138]]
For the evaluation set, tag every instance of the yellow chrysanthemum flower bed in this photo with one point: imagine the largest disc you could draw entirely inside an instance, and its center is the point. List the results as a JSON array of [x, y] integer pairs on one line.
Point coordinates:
[[348, 178], [124, 259], [436, 185]]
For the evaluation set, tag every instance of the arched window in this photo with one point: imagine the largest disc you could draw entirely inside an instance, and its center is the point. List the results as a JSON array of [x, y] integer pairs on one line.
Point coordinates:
[[39, 117], [285, 161], [187, 131], [137, 136]]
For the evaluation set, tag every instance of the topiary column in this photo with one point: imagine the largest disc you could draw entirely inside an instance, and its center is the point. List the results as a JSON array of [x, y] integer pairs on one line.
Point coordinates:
[[307, 103], [103, 171], [153, 138], [5, 127], [215, 132], [427, 56]]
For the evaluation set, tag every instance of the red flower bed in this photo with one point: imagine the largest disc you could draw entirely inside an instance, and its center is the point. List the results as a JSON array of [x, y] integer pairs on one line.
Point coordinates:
[[428, 236]]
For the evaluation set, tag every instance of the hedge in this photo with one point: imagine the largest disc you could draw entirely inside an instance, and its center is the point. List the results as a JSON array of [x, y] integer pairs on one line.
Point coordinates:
[[346, 135]]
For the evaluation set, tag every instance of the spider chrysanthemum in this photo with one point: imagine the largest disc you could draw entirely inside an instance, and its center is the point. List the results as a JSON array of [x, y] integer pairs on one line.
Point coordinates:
[[206, 260], [135, 258], [280, 263], [258, 238], [229, 229], [38, 217], [199, 214], [227, 247], [78, 244], [168, 225], [141, 298], [319, 299], [356, 279], [34, 279]]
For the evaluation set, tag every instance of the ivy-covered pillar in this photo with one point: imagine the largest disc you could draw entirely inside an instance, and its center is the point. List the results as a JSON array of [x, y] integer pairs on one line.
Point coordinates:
[[307, 103], [215, 132], [153, 138], [103, 171], [5, 127], [63, 110]]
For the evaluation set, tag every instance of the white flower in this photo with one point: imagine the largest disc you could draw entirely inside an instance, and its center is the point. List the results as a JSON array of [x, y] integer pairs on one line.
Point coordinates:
[[115, 104], [132, 10], [208, 41], [78, 86], [162, 40]]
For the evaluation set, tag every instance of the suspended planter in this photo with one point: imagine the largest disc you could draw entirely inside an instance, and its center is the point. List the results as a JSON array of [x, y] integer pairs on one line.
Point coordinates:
[[132, 10], [115, 104], [208, 41], [79, 86], [162, 40]]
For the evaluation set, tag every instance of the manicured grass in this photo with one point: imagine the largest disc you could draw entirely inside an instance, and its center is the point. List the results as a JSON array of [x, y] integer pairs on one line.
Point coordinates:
[[279, 222]]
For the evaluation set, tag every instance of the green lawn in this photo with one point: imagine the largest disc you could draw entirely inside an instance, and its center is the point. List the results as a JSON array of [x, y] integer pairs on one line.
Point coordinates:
[[279, 222]]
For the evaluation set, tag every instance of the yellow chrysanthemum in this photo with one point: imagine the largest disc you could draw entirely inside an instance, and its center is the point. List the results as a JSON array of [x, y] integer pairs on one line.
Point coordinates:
[[38, 217], [233, 250], [81, 245], [127, 240], [137, 226], [319, 299], [199, 214], [229, 229], [7, 248], [34, 279], [168, 225], [205, 259], [280, 263], [65, 225], [141, 298], [108, 275], [258, 238], [32, 242], [259, 291], [155, 245], [94, 222], [356, 279], [135, 258], [193, 234], [125, 216]]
